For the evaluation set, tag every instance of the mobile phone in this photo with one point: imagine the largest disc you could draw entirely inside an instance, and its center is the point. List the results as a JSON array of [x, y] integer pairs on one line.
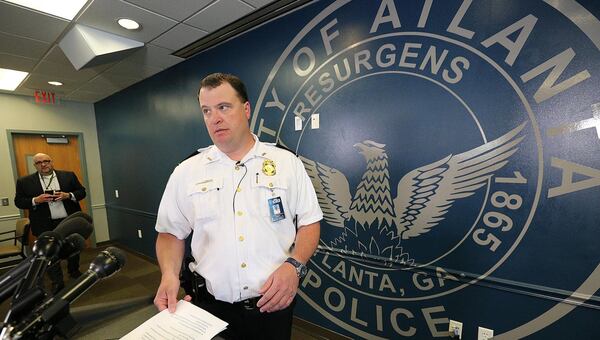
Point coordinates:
[[49, 192]]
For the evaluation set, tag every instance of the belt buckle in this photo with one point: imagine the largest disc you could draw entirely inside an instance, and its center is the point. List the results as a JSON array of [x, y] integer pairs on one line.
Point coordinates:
[[248, 304]]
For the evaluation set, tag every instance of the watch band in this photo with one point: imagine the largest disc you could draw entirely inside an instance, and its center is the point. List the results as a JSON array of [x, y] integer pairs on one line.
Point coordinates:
[[301, 269]]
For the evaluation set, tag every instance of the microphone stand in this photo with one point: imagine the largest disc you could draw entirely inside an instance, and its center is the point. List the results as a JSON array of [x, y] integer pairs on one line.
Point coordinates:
[[11, 279], [53, 316], [28, 293]]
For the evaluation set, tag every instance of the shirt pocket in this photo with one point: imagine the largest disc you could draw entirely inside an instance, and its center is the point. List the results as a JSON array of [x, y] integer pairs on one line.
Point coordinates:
[[269, 187], [205, 196]]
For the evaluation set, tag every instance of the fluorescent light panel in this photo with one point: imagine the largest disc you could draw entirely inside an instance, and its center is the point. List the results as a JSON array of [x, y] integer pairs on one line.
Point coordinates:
[[11, 79], [66, 9]]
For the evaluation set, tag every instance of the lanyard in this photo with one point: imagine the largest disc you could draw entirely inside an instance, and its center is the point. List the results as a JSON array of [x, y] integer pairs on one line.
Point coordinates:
[[49, 182]]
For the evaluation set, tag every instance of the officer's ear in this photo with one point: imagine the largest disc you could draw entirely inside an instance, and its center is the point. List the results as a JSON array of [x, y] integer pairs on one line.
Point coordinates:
[[247, 110]]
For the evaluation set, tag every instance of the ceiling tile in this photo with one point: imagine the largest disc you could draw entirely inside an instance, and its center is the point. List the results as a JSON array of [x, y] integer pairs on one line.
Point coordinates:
[[133, 70], [179, 37], [108, 83], [68, 72], [183, 10], [22, 91], [57, 56], [15, 45], [154, 56], [17, 62], [259, 3], [219, 14], [18, 21], [86, 96], [40, 81], [28, 41], [103, 15]]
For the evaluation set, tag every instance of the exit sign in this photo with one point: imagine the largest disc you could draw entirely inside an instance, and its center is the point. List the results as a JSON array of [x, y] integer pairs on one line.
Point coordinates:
[[44, 97]]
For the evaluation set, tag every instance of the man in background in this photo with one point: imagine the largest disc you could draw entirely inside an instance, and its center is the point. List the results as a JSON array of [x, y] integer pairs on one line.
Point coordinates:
[[50, 196]]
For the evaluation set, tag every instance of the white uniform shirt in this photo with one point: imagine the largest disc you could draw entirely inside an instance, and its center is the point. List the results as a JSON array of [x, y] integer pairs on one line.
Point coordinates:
[[236, 251], [50, 182]]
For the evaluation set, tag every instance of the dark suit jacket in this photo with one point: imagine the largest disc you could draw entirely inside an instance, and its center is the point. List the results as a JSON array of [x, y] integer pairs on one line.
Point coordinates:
[[29, 187]]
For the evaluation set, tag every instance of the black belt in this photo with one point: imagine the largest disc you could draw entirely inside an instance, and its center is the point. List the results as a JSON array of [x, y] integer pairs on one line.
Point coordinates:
[[248, 304]]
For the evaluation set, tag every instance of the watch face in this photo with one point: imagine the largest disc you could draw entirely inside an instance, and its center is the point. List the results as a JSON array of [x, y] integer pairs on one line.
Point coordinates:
[[302, 271]]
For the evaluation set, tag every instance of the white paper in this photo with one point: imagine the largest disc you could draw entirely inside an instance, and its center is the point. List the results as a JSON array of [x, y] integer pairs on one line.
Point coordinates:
[[188, 322]]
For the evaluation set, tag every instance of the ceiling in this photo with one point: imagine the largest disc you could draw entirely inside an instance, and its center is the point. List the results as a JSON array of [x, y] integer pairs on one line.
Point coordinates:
[[29, 41]]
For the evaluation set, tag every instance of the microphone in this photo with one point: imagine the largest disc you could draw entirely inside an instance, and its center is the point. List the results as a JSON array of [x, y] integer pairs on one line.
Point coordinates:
[[10, 280], [28, 292], [78, 214], [45, 248], [239, 163], [74, 225], [108, 262], [54, 310], [73, 245]]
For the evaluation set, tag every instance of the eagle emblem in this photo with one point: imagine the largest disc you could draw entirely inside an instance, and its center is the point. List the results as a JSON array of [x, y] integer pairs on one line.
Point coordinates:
[[374, 224]]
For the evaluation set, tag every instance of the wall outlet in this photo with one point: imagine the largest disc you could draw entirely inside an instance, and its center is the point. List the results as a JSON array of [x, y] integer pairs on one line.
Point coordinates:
[[455, 329], [139, 233], [314, 121], [4, 201], [484, 333], [297, 123], [116, 193]]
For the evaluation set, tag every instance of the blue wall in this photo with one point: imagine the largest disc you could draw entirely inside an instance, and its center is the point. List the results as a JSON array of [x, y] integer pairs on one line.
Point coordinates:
[[475, 195]]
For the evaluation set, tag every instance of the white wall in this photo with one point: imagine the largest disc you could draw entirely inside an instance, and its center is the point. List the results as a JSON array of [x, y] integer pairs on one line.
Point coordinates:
[[22, 113]]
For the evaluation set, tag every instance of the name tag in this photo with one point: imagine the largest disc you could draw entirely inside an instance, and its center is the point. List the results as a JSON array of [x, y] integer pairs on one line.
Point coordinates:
[[276, 209]]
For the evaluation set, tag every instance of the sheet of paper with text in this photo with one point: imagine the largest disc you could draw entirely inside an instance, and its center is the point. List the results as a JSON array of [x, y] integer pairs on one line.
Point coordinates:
[[188, 322]]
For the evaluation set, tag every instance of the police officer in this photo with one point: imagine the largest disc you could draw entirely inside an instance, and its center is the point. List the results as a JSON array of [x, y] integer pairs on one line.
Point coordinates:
[[254, 216]]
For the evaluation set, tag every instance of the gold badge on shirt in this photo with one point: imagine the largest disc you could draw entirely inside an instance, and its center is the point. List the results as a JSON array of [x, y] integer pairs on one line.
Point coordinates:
[[268, 168]]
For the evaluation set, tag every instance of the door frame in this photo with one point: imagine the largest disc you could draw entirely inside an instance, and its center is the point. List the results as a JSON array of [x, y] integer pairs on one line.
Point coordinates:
[[82, 163]]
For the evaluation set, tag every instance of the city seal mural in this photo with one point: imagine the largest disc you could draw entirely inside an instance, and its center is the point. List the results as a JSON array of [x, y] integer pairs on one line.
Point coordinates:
[[440, 137]]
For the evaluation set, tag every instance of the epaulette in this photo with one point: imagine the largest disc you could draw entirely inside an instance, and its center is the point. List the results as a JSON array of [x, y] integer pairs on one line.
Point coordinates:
[[190, 156], [195, 153], [283, 147]]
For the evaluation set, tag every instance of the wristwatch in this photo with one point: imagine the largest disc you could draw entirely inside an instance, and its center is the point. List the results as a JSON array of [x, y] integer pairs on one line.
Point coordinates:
[[301, 269]]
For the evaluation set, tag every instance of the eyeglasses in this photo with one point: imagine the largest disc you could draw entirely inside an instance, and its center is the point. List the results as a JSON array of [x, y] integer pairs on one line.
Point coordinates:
[[46, 161]]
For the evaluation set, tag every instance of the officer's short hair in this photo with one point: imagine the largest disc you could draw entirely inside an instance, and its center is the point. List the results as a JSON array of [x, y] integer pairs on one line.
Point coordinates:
[[214, 80]]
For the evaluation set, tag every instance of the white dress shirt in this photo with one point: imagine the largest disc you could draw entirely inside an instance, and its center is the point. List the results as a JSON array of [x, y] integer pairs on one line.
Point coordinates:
[[236, 250], [50, 182]]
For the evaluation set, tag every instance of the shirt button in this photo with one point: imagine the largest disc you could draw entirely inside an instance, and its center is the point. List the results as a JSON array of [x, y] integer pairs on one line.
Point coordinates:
[[270, 185], [203, 188], [243, 265], [245, 287], [239, 213], [238, 189], [237, 167], [241, 238]]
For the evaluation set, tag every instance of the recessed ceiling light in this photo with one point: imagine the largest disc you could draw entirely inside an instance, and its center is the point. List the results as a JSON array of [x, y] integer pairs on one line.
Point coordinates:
[[55, 83], [66, 9], [128, 24], [11, 79]]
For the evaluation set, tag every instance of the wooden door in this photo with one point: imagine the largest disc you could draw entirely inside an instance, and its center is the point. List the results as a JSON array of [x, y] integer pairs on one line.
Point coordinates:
[[64, 156]]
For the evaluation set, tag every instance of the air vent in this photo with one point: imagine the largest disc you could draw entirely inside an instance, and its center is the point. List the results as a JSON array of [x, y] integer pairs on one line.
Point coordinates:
[[240, 26]]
